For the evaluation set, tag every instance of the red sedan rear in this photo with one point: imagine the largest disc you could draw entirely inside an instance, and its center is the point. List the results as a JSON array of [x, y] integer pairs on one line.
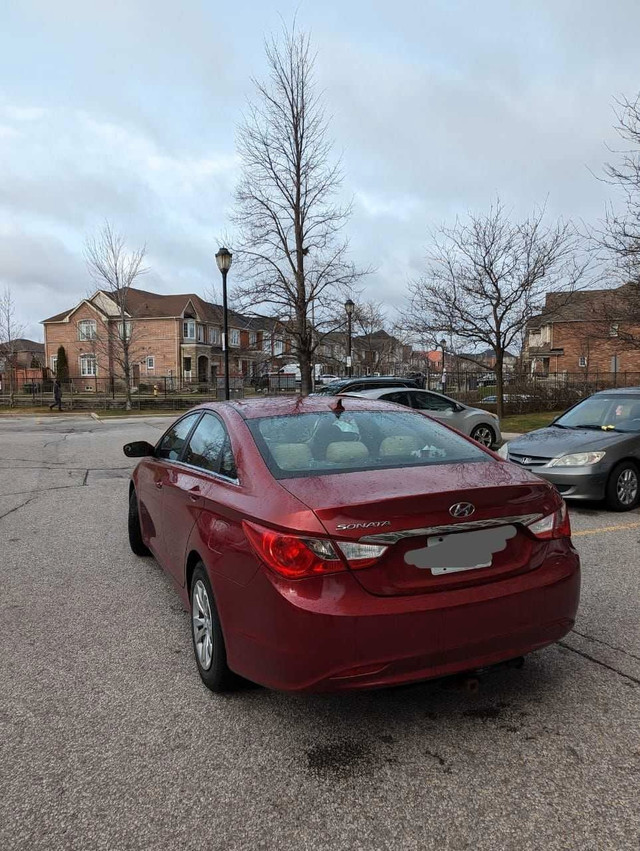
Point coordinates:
[[338, 544]]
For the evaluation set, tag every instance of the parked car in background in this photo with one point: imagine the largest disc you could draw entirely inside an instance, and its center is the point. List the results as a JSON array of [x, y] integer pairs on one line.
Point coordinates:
[[367, 382], [592, 451], [327, 378], [507, 397], [331, 544], [478, 424]]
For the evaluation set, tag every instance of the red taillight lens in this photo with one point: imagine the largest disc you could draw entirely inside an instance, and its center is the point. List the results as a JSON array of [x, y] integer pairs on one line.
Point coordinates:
[[291, 556], [295, 557], [556, 525]]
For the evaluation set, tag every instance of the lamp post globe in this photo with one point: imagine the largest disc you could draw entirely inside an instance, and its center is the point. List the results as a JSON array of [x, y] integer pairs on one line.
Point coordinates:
[[223, 260]]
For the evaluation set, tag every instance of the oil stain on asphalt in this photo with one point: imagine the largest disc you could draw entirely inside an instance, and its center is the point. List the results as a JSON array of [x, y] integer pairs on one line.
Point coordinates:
[[339, 759]]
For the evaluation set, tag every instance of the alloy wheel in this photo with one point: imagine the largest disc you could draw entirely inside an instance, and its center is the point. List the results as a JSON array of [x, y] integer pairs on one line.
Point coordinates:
[[627, 486], [483, 435], [202, 625]]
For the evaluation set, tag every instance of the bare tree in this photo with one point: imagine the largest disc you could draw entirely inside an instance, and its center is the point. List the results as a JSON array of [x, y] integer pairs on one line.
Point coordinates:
[[115, 269], [620, 234], [376, 345], [287, 216], [486, 277], [10, 331]]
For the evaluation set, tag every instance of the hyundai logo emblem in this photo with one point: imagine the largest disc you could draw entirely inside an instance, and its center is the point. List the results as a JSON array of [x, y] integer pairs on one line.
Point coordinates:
[[462, 509], [526, 460]]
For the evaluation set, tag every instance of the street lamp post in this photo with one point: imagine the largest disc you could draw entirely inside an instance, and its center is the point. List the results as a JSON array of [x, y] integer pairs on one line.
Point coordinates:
[[349, 306], [223, 259], [443, 344]]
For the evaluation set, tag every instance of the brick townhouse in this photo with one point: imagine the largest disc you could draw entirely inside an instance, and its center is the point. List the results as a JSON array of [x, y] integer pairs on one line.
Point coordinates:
[[173, 337], [587, 332]]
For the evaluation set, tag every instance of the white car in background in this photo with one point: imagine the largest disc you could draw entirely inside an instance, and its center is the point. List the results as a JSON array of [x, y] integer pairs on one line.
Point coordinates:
[[482, 426], [327, 378]]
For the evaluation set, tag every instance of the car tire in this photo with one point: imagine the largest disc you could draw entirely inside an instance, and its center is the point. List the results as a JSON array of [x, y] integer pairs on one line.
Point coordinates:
[[138, 546], [206, 634], [623, 487], [484, 435]]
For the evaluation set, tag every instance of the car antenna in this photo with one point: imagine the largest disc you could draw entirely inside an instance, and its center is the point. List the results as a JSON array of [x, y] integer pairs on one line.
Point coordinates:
[[338, 408]]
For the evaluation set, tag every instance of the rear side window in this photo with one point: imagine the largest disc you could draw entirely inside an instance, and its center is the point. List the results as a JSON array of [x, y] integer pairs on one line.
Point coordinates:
[[400, 398], [321, 443], [210, 448], [173, 441], [431, 402]]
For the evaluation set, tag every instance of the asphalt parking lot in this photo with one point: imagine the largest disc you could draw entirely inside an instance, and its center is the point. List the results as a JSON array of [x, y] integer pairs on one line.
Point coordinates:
[[108, 739]]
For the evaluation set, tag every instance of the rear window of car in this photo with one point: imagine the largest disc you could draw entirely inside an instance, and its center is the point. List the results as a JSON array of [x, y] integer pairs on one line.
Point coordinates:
[[322, 443], [354, 386]]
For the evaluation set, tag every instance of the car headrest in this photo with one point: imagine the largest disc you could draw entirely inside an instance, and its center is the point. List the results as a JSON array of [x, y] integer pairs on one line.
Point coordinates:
[[401, 444], [346, 451], [291, 456]]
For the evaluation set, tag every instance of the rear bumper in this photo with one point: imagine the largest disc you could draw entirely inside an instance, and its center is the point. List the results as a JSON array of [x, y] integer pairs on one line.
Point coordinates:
[[329, 634]]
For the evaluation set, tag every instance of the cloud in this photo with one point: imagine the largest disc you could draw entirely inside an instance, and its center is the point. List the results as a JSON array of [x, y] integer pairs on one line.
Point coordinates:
[[126, 110]]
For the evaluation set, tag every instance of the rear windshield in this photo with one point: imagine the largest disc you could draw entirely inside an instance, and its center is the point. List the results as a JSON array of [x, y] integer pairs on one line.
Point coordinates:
[[321, 443], [330, 389], [354, 386]]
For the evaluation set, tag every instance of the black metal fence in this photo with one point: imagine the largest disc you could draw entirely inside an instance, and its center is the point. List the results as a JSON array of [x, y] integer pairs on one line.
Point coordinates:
[[93, 393], [523, 392]]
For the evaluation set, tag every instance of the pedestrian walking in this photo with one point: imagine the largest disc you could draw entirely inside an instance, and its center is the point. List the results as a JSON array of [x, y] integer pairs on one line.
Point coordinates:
[[57, 396]]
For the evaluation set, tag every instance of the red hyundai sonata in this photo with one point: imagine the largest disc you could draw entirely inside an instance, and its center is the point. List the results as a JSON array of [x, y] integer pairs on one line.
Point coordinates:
[[327, 543]]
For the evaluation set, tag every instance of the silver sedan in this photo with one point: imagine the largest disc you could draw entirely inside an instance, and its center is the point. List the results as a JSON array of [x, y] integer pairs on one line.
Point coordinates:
[[478, 424]]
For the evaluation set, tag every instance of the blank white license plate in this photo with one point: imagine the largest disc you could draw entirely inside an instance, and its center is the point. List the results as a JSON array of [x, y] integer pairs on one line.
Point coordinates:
[[461, 550]]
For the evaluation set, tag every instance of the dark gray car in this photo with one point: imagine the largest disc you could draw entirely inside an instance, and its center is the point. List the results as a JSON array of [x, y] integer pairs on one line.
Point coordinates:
[[592, 451]]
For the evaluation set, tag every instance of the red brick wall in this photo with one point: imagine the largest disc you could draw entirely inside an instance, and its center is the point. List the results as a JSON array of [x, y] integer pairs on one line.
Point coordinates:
[[581, 339]]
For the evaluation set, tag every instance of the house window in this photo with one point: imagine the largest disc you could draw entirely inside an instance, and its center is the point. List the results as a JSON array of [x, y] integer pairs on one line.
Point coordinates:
[[253, 339], [535, 338], [234, 337], [186, 365], [266, 343], [278, 347], [189, 329], [124, 330], [87, 329], [88, 365], [201, 333], [214, 336], [54, 364], [613, 329], [582, 361], [151, 362]]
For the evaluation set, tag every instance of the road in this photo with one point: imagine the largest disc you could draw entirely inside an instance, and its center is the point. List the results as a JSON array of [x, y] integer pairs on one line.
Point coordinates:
[[108, 739]]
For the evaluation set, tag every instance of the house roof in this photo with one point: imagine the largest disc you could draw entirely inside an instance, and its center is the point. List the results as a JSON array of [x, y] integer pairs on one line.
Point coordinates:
[[146, 305], [585, 306], [22, 345]]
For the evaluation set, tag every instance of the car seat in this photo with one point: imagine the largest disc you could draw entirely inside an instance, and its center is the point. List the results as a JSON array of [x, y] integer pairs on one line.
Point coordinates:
[[346, 452]]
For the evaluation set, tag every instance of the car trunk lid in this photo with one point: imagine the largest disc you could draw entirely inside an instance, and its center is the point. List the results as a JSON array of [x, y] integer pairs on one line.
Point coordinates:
[[409, 510]]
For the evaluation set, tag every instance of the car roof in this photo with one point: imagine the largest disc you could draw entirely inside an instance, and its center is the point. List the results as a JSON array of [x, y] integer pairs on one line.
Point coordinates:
[[281, 406], [375, 392]]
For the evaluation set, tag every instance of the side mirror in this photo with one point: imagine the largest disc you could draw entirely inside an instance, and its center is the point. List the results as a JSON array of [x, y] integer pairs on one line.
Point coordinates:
[[138, 449]]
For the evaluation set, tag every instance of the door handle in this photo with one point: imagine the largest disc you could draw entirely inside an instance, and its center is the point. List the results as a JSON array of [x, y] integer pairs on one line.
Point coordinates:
[[158, 485]]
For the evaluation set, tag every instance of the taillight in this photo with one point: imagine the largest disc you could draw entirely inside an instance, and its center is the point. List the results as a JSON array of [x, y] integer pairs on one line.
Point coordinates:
[[556, 525], [296, 557]]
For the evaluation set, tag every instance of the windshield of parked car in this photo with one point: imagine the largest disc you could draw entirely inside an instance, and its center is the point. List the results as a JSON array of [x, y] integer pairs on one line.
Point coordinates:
[[604, 413], [323, 442]]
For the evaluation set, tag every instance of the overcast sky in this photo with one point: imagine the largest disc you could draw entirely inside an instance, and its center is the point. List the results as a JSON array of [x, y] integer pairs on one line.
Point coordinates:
[[127, 109]]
